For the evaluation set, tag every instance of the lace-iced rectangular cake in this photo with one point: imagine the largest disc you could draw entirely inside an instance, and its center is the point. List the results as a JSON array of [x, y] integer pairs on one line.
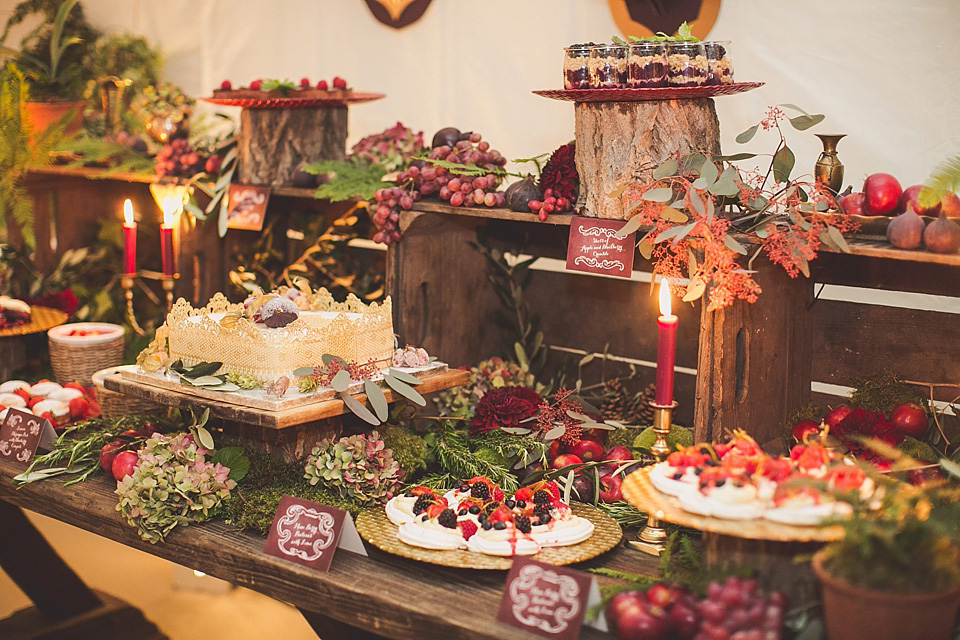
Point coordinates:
[[350, 329]]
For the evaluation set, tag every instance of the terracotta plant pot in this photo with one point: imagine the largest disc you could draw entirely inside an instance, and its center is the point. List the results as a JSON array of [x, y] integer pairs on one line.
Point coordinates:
[[44, 114], [855, 613]]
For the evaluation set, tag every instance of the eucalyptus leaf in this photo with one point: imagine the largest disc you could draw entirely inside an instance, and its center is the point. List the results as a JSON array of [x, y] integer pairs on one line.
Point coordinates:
[[206, 381], [709, 172], [406, 377], [700, 183], [358, 409], [735, 157], [328, 358], [516, 431], [341, 381], [668, 168], [645, 248], [695, 290], [227, 387], [658, 194], [783, 163], [303, 372], [632, 225], [697, 203], [204, 437], [587, 359], [554, 433], [747, 136], [616, 193], [804, 122], [733, 245], [950, 467], [377, 400], [568, 486], [673, 215], [579, 416], [792, 106], [838, 239], [405, 390]]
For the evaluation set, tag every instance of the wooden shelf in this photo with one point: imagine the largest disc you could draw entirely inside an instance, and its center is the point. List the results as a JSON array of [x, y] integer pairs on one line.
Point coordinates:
[[492, 213], [262, 417], [881, 249]]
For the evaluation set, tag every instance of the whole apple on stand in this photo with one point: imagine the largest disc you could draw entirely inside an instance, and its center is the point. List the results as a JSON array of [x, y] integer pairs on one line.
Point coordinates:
[[881, 195], [910, 419]]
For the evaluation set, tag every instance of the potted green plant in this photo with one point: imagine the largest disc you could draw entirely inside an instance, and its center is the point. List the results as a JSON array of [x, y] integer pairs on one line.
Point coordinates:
[[56, 87], [895, 572]]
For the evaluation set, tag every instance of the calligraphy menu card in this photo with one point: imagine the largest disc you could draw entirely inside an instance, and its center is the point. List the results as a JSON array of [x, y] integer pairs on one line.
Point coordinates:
[[22, 433], [309, 533], [594, 248]]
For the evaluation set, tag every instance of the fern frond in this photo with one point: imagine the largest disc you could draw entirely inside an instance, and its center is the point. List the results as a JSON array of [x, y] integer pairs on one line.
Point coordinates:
[[351, 179], [945, 177], [22, 212]]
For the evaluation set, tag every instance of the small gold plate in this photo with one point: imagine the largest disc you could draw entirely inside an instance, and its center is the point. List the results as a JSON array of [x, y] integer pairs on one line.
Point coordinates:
[[377, 529], [41, 319]]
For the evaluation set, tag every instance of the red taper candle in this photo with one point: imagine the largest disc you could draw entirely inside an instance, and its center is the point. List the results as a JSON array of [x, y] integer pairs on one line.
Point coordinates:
[[666, 348], [129, 239], [166, 236]]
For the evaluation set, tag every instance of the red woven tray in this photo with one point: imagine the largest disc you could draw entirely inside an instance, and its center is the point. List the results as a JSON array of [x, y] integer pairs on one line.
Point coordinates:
[[637, 95], [295, 103]]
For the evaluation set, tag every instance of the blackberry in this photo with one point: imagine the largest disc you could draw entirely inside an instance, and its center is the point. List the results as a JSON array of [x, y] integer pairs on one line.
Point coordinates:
[[490, 507], [541, 509], [474, 509], [422, 503], [522, 523], [487, 525], [542, 496], [480, 490], [500, 526], [448, 519]]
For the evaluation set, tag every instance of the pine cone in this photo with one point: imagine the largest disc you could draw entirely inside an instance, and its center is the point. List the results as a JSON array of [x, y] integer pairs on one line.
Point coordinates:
[[638, 409], [614, 400]]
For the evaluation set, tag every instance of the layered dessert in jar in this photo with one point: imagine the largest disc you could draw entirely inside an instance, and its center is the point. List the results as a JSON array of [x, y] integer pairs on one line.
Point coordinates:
[[647, 65], [719, 65], [608, 66], [687, 64], [576, 66]]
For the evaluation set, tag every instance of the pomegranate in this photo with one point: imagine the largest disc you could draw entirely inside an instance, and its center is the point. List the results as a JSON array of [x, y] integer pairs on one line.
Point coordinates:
[[910, 200], [881, 195], [852, 204], [910, 419]]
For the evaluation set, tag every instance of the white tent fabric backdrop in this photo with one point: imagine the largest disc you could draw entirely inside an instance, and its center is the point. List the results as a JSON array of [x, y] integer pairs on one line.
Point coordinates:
[[884, 72]]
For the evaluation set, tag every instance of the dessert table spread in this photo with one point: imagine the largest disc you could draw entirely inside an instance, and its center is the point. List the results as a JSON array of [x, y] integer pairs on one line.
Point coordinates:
[[382, 594]]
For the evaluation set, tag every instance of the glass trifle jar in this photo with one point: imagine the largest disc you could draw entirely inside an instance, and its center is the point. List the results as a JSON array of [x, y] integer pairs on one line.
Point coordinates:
[[576, 66], [688, 64], [608, 66], [719, 65], [647, 65]]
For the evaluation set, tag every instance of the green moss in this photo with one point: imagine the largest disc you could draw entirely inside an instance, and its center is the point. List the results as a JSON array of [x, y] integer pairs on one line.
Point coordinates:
[[409, 449], [919, 450], [621, 436], [488, 454], [679, 437], [883, 392]]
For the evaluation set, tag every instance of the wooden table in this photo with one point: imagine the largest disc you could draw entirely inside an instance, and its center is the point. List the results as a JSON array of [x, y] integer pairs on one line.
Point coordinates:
[[382, 594]]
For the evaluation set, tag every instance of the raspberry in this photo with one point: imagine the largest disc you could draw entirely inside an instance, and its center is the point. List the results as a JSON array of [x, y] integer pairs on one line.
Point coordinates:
[[339, 83], [422, 503], [542, 497], [255, 85], [226, 86], [448, 519], [553, 488], [79, 408], [498, 494], [523, 493], [304, 83], [468, 528], [500, 514], [522, 523], [322, 85], [480, 490]]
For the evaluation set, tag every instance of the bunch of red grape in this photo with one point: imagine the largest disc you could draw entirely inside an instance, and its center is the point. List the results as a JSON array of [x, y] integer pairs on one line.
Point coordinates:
[[732, 610], [179, 159], [549, 204], [422, 178]]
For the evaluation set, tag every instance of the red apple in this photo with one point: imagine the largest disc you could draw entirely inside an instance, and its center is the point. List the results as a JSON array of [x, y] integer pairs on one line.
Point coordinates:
[[910, 419], [908, 200], [804, 428], [108, 452], [610, 488], [556, 448], [837, 414], [565, 460], [950, 205], [587, 450], [852, 204], [124, 464], [619, 453], [621, 601], [881, 195]]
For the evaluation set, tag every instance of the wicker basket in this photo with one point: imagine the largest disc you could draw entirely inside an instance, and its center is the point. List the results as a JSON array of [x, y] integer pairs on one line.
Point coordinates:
[[75, 358], [114, 404]]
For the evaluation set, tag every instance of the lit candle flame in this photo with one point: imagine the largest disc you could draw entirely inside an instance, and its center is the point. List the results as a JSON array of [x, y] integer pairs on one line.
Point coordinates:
[[170, 208], [128, 213], [665, 299]]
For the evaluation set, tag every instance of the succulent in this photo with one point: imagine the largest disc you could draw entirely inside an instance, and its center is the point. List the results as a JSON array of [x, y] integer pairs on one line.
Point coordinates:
[[360, 467], [172, 484], [390, 149], [489, 374]]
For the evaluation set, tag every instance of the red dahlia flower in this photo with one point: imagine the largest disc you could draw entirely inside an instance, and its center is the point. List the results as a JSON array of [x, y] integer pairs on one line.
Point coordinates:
[[504, 407]]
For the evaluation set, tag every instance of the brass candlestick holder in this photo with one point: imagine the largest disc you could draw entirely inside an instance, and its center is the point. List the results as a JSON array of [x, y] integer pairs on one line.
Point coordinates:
[[652, 537], [129, 280]]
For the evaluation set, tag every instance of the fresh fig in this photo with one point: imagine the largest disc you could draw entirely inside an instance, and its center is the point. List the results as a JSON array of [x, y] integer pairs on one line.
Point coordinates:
[[448, 136], [520, 193], [906, 230], [301, 179], [942, 235]]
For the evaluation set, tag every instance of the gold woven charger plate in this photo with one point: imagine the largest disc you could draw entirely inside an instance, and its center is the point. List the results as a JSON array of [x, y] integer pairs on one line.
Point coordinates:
[[41, 319], [640, 492], [377, 529]]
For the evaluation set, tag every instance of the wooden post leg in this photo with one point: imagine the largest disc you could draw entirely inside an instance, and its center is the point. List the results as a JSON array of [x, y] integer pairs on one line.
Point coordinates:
[[329, 629], [36, 568]]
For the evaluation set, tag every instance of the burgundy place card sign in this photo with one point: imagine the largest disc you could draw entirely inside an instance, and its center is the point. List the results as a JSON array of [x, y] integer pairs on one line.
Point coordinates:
[[308, 533], [594, 248], [247, 207], [547, 600], [22, 433]]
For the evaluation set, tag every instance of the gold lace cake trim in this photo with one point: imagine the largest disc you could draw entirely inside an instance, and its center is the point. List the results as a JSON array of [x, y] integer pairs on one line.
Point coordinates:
[[351, 330]]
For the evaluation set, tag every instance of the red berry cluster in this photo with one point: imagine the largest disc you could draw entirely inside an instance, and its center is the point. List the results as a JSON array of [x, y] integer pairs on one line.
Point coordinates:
[[550, 204], [425, 179], [732, 610], [324, 374]]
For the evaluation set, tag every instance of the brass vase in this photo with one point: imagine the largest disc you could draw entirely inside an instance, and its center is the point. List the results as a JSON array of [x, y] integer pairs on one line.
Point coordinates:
[[829, 170]]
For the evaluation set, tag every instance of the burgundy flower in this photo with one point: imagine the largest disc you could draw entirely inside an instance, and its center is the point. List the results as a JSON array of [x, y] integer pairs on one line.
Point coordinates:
[[858, 422], [65, 301], [560, 173], [504, 407]]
